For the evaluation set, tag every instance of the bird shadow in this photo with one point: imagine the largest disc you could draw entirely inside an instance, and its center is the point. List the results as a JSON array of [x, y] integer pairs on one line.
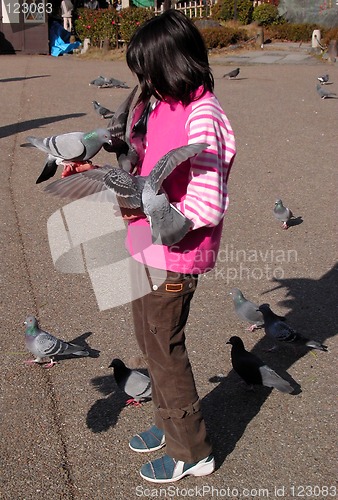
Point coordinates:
[[312, 304], [295, 221], [104, 413], [81, 340], [16, 128], [20, 78]]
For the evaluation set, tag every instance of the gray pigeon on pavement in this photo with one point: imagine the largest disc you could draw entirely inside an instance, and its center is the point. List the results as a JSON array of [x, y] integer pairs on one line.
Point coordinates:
[[74, 146], [253, 370], [135, 191], [279, 330], [325, 94], [246, 310], [323, 79], [102, 111], [105, 82], [134, 383], [45, 346], [282, 213], [232, 74]]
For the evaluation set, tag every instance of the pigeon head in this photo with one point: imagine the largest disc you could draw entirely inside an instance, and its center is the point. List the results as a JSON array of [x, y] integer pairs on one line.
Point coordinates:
[[101, 134], [236, 341], [117, 363], [264, 308], [278, 203], [31, 324], [236, 293]]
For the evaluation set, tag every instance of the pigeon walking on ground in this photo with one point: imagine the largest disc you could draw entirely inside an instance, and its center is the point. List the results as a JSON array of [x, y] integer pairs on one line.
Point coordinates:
[[280, 331], [323, 79], [246, 310], [45, 346], [232, 74], [325, 94], [134, 383], [282, 213], [68, 148], [135, 191], [253, 370], [102, 111]]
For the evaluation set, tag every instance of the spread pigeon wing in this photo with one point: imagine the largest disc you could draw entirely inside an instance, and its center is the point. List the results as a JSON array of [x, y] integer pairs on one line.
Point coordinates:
[[170, 161], [127, 188], [90, 182]]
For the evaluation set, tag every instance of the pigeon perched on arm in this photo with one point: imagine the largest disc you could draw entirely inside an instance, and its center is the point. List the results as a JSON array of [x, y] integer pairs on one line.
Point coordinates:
[[232, 74], [136, 191], [323, 79], [279, 330], [246, 310], [45, 346], [253, 370], [325, 94], [282, 213], [102, 111], [134, 383], [71, 147]]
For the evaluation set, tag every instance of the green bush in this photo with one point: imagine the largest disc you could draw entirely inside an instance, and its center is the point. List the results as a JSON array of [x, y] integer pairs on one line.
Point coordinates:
[[265, 14], [328, 35], [130, 18], [292, 32], [109, 24], [97, 25], [217, 38], [223, 10]]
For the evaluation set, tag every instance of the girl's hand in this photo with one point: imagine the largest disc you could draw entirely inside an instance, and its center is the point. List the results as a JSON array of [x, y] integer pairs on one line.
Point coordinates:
[[76, 167], [129, 213]]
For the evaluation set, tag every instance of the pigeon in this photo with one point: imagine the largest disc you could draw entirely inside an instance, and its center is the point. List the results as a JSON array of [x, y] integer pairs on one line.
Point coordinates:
[[246, 310], [128, 130], [282, 213], [323, 79], [325, 94], [232, 74], [102, 111], [104, 82], [253, 370], [134, 383], [45, 346], [74, 146], [135, 191], [279, 330]]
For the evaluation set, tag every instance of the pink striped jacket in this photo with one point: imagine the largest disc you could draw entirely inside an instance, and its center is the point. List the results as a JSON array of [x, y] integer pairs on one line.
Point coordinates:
[[197, 187]]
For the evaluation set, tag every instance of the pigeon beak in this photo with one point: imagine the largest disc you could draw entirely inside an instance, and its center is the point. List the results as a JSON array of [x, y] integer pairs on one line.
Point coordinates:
[[228, 342]]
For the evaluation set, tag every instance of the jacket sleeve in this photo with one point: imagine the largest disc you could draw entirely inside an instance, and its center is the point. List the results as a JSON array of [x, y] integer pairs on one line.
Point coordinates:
[[206, 200]]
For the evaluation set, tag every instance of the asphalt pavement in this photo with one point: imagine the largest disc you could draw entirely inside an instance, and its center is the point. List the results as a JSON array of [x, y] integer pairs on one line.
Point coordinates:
[[65, 431]]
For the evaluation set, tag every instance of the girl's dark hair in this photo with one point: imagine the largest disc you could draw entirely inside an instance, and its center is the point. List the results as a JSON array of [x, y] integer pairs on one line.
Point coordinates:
[[169, 57]]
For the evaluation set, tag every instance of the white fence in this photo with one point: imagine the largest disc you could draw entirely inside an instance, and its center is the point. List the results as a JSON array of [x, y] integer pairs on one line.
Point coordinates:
[[199, 8]]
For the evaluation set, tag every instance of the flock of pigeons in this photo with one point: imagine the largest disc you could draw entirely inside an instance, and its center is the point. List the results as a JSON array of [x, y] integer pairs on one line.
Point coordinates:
[[323, 80], [124, 136]]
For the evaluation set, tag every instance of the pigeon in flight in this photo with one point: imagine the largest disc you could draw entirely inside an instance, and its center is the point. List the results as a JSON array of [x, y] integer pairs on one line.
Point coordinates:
[[135, 191], [232, 74], [279, 330], [246, 310], [323, 79], [282, 214], [253, 370], [134, 383], [325, 94], [67, 148], [45, 346], [102, 111]]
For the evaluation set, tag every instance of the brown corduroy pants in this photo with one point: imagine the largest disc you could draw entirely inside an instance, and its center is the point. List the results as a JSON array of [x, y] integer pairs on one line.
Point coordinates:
[[160, 317]]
